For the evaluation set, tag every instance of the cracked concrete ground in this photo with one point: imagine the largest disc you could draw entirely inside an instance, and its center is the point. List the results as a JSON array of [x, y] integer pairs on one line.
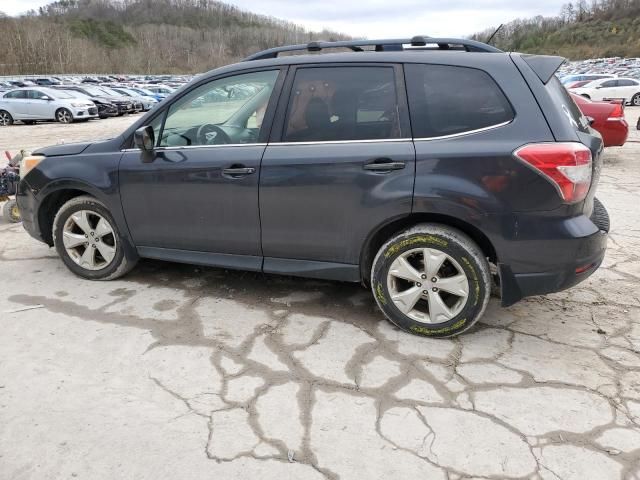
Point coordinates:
[[185, 372]]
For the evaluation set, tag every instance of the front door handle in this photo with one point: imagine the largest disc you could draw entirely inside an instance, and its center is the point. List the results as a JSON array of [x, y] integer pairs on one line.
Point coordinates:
[[383, 165], [238, 171]]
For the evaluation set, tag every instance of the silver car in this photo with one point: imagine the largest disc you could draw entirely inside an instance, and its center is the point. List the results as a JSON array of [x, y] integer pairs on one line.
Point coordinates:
[[40, 103]]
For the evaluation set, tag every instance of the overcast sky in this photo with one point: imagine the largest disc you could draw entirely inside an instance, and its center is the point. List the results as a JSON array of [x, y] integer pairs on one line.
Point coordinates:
[[380, 18]]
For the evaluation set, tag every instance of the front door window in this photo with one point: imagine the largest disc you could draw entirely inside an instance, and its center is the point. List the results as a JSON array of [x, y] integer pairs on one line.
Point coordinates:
[[229, 110]]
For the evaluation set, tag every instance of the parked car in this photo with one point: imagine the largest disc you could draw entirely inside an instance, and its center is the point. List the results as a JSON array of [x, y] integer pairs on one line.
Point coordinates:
[[313, 174], [611, 88], [95, 93], [148, 93], [607, 118], [147, 102], [31, 104], [580, 77], [137, 104], [105, 109], [160, 90], [46, 82]]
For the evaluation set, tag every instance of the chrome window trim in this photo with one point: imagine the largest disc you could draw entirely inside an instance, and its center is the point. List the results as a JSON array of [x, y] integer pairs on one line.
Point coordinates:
[[462, 134], [332, 142], [340, 142], [189, 147]]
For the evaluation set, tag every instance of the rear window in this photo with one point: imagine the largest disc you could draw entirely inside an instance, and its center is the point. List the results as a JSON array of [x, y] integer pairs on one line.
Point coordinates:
[[449, 100], [560, 96]]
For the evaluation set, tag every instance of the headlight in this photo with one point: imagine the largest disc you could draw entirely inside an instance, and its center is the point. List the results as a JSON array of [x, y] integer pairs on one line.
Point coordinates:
[[78, 105], [28, 163]]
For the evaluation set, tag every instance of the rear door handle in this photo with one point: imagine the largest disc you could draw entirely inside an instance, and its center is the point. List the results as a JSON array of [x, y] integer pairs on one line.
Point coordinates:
[[383, 165], [238, 171]]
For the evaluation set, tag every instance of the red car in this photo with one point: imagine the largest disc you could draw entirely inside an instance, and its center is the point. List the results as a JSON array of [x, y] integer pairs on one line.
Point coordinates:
[[608, 119]]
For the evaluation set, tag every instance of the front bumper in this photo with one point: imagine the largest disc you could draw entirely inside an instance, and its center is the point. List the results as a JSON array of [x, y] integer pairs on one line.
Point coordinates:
[[28, 206], [571, 259], [85, 112]]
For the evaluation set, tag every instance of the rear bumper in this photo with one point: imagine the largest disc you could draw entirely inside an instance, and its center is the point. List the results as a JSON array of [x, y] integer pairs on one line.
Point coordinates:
[[571, 259]]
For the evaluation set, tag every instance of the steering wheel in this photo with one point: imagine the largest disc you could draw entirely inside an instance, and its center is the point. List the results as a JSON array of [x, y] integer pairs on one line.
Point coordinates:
[[210, 134]]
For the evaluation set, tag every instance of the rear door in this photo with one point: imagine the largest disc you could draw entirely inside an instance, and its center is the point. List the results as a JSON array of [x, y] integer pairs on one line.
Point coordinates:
[[16, 102], [339, 164]]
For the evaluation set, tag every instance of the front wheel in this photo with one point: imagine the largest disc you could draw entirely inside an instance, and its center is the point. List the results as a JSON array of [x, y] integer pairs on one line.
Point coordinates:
[[64, 116], [635, 100], [431, 280], [88, 241]]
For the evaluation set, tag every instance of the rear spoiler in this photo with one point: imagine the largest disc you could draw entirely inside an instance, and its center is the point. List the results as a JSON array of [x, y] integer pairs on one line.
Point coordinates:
[[544, 66]]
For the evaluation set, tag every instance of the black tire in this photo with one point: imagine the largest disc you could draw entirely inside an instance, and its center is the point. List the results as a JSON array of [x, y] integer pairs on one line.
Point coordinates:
[[5, 118], [10, 211], [635, 100], [457, 246], [64, 115], [117, 267]]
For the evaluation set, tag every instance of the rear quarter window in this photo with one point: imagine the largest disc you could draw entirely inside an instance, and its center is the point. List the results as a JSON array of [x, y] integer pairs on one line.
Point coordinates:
[[448, 100], [561, 97]]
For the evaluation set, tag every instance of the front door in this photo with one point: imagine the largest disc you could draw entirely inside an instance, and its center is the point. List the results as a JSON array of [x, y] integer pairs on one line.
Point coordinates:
[[198, 190], [38, 107], [339, 165]]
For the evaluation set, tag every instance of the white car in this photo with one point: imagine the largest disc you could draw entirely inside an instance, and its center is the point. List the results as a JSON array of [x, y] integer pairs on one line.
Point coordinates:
[[611, 88], [40, 103]]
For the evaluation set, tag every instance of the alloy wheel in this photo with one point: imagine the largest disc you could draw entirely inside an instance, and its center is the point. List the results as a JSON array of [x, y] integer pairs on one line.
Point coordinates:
[[89, 240], [5, 119], [64, 116], [428, 285]]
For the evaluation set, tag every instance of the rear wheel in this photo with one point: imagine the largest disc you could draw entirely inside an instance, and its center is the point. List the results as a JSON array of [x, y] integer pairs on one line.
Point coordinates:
[[64, 116], [635, 100], [5, 118], [431, 280], [87, 239]]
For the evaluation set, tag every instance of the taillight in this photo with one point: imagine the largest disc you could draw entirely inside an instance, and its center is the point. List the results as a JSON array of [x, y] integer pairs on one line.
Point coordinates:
[[617, 113], [566, 165]]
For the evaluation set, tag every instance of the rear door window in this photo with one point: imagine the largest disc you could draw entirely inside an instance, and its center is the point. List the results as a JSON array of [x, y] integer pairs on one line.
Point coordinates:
[[342, 103], [16, 94], [448, 100]]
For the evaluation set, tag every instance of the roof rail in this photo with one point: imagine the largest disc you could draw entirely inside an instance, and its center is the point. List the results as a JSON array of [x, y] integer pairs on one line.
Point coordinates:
[[381, 46]]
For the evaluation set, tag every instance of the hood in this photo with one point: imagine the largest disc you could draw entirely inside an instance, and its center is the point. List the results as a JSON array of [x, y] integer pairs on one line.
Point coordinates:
[[66, 149]]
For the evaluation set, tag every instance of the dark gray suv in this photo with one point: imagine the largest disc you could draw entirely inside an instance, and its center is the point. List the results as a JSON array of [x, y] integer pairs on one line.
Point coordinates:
[[428, 169]]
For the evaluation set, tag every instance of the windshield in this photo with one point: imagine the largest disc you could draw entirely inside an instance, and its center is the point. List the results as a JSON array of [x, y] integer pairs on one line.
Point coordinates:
[[95, 91], [143, 91], [61, 94], [110, 92]]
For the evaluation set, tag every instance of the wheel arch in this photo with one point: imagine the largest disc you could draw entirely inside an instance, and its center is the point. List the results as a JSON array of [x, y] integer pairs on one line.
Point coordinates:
[[385, 231]]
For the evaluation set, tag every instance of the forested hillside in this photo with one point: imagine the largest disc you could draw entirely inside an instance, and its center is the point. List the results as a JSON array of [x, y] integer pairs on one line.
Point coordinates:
[[139, 36], [602, 28]]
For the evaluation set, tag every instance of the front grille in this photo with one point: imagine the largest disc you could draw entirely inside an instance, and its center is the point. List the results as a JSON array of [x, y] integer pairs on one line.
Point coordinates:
[[93, 111]]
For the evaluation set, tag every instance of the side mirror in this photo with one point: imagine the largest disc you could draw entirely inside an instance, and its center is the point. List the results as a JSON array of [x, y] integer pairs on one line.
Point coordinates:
[[144, 138], [590, 120], [48, 99]]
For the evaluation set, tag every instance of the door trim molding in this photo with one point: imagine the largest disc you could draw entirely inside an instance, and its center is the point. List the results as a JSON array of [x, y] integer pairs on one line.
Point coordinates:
[[193, 257]]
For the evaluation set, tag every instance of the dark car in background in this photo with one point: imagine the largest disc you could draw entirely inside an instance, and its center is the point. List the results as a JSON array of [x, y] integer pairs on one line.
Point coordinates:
[[123, 105], [431, 174]]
